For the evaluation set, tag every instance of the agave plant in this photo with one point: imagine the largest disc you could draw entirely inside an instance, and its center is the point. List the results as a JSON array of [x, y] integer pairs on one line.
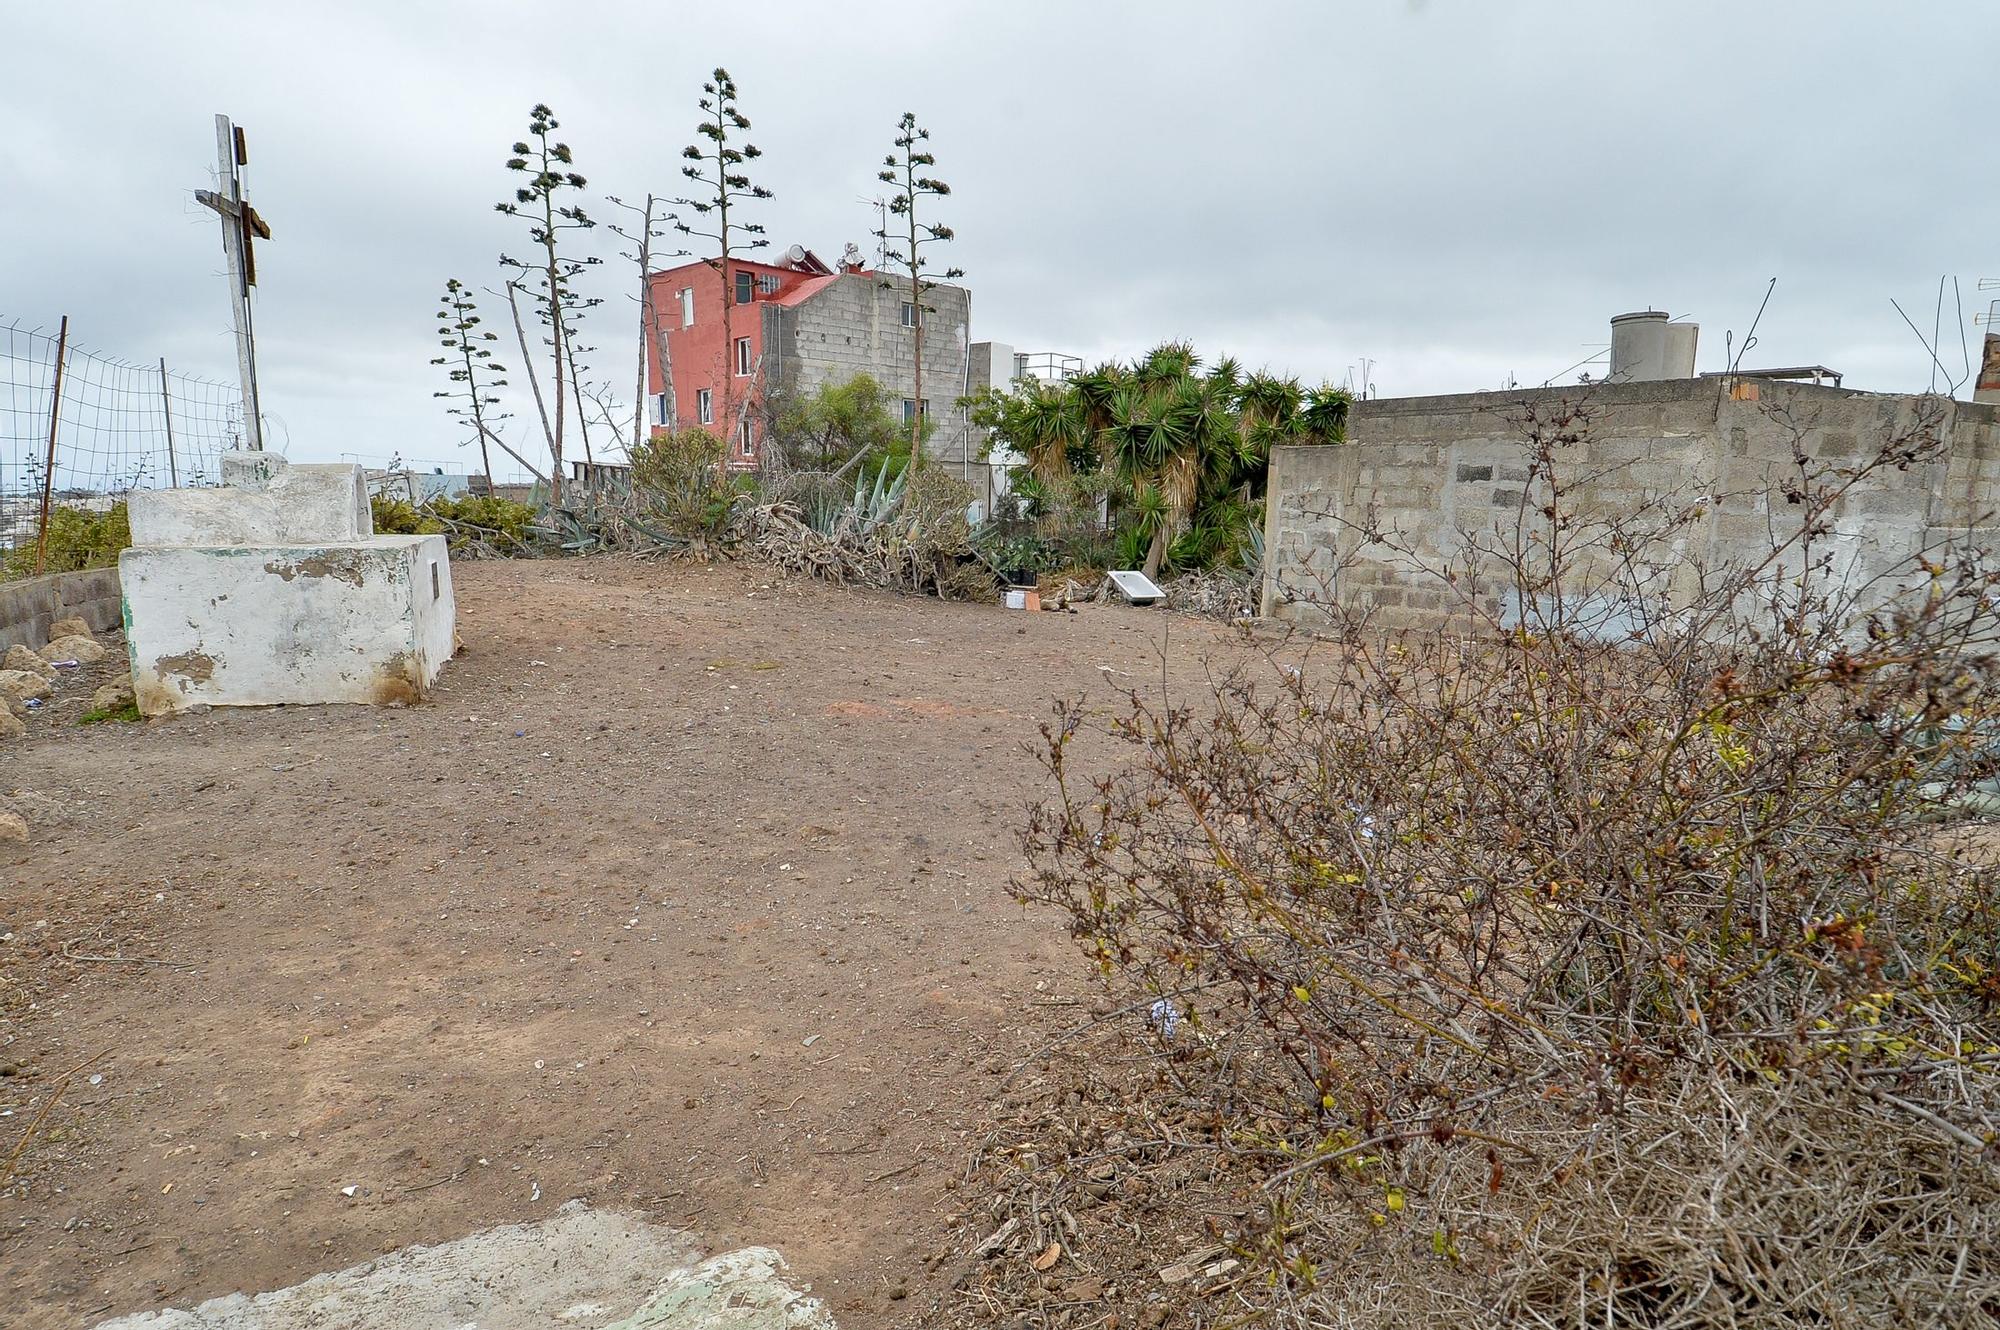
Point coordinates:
[[1252, 551], [874, 505]]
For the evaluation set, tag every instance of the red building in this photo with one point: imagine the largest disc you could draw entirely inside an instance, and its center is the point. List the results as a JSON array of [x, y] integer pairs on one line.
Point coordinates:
[[793, 325]]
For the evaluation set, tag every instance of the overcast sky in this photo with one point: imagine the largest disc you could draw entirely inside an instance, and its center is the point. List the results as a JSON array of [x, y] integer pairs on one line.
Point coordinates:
[[1457, 190]]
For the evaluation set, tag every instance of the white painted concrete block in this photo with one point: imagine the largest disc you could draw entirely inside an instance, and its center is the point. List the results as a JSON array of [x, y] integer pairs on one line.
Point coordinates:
[[238, 624], [280, 505]]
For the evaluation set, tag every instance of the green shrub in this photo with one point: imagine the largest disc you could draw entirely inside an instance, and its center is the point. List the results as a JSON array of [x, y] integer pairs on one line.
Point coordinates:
[[678, 480], [1128, 548], [825, 429], [1029, 555], [501, 524], [77, 539], [399, 517], [474, 524]]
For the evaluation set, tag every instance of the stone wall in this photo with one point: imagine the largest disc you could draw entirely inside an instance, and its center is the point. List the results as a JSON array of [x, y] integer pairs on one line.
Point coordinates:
[[28, 607], [1439, 474]]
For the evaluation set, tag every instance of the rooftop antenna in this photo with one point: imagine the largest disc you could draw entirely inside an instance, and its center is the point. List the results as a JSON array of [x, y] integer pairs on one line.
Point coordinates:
[[1735, 361], [1930, 347], [1597, 349], [1937, 331], [1964, 347], [1991, 318], [881, 206]]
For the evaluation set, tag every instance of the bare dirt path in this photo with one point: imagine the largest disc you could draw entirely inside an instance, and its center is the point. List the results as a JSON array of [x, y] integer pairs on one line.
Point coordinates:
[[687, 895]]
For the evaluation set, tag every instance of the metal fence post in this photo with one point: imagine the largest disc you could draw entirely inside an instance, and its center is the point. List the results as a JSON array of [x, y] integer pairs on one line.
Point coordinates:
[[49, 473], [167, 413]]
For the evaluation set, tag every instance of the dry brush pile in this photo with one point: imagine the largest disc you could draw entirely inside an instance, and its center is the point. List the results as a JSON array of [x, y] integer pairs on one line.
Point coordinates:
[[1527, 977], [912, 535], [887, 529]]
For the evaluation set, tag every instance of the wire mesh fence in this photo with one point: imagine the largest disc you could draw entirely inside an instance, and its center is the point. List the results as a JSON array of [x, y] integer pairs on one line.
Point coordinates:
[[109, 425]]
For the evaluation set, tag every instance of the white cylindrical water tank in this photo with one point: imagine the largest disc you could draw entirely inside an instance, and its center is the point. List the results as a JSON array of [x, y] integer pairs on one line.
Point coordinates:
[[1681, 339], [1644, 345]]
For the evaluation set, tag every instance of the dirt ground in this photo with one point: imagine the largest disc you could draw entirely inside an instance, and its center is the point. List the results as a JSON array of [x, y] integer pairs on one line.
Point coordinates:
[[687, 895]]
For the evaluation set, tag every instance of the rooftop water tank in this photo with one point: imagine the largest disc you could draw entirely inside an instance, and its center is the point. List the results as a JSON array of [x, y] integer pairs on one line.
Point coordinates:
[[1645, 345]]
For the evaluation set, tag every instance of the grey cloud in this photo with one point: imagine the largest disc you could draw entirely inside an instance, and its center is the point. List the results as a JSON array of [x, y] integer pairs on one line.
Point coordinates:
[[1457, 190]]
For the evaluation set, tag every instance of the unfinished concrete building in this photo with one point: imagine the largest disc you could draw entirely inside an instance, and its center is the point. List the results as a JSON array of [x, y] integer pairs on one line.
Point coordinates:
[[797, 323], [1373, 526]]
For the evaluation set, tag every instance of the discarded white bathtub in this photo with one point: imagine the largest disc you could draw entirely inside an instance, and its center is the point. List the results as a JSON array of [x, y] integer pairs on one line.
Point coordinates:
[[275, 589], [1135, 586]]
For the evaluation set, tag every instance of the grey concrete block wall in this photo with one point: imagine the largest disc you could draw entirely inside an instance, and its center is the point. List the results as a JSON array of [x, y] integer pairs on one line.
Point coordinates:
[[1441, 475], [28, 607], [855, 326]]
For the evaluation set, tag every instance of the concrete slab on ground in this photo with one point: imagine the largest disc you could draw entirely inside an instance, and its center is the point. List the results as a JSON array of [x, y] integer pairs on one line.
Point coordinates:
[[582, 1269]]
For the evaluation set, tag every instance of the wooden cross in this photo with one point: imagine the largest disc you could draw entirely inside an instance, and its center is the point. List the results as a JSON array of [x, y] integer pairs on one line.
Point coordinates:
[[240, 227]]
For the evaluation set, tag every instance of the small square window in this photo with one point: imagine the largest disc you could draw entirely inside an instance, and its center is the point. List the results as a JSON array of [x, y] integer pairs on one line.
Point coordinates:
[[910, 409], [704, 405], [746, 286], [742, 356], [909, 315]]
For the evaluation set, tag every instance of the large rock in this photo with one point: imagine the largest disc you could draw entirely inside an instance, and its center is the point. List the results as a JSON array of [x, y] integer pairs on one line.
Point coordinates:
[[21, 658], [9, 727], [12, 828], [71, 627], [83, 650], [113, 696], [580, 1268], [23, 684]]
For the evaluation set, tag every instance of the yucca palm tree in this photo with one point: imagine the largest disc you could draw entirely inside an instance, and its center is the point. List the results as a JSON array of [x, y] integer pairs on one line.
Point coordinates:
[[1184, 450], [1173, 431], [1049, 427], [1324, 416]]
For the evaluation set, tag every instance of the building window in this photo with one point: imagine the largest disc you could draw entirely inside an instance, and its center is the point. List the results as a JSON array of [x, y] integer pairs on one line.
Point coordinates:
[[909, 315], [910, 409], [742, 356], [745, 286], [660, 409], [704, 405], [687, 307], [767, 284], [746, 440]]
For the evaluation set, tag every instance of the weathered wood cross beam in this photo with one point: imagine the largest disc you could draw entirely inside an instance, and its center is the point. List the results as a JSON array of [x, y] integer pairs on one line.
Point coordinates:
[[241, 227]]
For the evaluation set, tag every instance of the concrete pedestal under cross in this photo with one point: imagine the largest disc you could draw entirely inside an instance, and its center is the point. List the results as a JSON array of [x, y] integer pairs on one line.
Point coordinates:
[[275, 589]]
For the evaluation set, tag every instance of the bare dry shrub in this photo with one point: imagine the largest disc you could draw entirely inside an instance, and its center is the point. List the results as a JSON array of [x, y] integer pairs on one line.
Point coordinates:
[[1605, 964], [1224, 594]]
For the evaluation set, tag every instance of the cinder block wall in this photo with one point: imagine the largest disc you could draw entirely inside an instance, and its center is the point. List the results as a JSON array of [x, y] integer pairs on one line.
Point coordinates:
[[1438, 476], [27, 608], [855, 326]]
